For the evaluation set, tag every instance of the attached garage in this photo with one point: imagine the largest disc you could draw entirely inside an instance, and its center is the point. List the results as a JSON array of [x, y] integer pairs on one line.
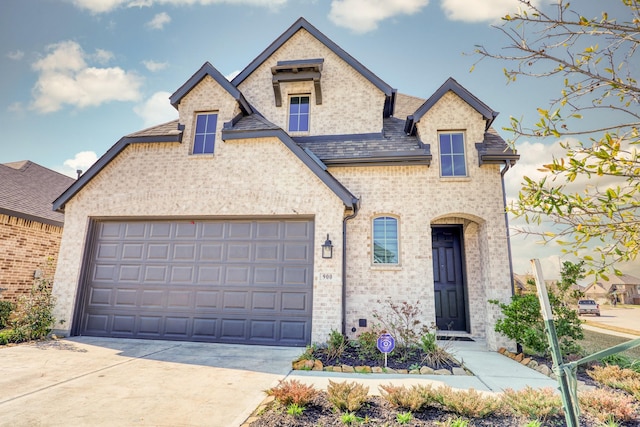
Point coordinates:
[[231, 281]]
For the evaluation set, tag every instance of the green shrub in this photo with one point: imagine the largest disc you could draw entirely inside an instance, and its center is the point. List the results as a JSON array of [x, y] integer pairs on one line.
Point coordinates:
[[6, 308], [533, 404], [336, 345], [33, 317], [367, 345], [468, 403], [347, 396], [413, 399]]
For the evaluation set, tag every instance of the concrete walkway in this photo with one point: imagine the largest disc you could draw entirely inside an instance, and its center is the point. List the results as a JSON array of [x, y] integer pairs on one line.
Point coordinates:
[[492, 371]]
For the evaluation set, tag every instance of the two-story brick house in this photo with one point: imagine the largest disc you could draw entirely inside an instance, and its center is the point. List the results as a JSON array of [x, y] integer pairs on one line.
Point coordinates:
[[287, 203]]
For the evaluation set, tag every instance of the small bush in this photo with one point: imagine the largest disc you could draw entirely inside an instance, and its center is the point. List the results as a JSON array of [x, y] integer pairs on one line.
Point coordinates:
[[295, 410], [367, 345], [402, 321], [336, 345], [454, 422], [6, 308], [468, 403], [349, 418], [347, 396], [617, 377], [429, 342], [293, 392], [537, 404], [413, 399], [605, 405], [404, 417]]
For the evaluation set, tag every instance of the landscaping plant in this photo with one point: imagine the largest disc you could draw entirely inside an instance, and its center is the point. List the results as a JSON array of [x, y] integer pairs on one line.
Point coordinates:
[[347, 396], [402, 321], [522, 319], [6, 308], [293, 392]]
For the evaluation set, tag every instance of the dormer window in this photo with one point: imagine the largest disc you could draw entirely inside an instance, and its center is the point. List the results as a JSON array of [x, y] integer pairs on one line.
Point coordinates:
[[205, 134], [452, 157], [301, 70], [299, 113]]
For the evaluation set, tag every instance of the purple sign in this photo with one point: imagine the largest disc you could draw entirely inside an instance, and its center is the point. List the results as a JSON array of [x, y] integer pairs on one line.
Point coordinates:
[[386, 343]]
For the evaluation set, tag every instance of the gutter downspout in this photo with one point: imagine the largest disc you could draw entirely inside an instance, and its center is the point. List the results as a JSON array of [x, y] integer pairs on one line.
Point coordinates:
[[507, 166], [356, 206]]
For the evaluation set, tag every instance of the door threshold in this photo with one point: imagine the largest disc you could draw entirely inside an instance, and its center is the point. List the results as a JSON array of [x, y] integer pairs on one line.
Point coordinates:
[[455, 336]]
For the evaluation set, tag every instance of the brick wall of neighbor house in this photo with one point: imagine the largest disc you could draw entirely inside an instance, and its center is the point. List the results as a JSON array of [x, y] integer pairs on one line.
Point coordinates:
[[24, 248], [156, 180], [350, 103]]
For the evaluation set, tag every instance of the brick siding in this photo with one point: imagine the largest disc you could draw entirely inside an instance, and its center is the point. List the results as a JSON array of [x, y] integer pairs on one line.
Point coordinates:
[[25, 247]]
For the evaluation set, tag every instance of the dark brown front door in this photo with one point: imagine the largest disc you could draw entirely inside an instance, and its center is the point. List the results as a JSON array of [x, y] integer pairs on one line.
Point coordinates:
[[448, 279]]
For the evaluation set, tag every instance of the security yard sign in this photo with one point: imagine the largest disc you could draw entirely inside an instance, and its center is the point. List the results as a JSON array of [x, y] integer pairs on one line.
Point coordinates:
[[386, 344]]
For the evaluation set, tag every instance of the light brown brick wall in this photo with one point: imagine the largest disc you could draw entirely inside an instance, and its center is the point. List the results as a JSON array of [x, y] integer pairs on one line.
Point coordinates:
[[256, 177], [25, 247], [350, 103]]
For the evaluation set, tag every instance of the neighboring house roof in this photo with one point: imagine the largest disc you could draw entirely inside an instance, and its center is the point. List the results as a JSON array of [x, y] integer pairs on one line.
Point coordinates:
[[167, 132], [209, 70], [303, 23], [27, 191], [614, 282]]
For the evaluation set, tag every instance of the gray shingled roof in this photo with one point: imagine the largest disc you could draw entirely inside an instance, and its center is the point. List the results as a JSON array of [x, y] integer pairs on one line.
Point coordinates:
[[392, 142], [169, 128], [27, 190]]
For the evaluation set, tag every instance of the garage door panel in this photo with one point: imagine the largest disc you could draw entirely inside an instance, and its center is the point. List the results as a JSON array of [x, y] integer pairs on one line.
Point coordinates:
[[214, 281]]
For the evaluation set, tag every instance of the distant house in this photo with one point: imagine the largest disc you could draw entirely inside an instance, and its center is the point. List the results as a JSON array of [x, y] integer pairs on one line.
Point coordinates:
[[625, 287], [289, 202], [30, 231]]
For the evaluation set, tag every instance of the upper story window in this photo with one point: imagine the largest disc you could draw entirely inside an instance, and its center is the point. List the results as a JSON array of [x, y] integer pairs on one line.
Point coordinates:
[[299, 113], [385, 240], [205, 135], [452, 157]]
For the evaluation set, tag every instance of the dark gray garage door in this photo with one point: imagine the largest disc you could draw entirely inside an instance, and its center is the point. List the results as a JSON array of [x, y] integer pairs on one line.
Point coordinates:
[[219, 281]]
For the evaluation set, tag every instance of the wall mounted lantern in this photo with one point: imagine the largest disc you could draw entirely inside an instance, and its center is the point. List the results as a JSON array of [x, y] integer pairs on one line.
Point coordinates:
[[327, 248]]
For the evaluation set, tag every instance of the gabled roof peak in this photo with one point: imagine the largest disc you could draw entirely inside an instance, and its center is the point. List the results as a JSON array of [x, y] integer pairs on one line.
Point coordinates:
[[209, 70], [451, 85], [299, 24]]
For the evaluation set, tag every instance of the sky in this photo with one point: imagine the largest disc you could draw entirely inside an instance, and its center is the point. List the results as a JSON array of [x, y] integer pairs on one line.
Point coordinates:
[[77, 75]]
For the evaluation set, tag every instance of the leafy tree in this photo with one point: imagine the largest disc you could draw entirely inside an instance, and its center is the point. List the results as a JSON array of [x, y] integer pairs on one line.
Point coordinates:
[[595, 114], [522, 318]]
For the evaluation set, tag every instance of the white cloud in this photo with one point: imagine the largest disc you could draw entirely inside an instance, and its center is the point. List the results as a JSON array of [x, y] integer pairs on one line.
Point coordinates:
[[157, 109], [154, 66], [16, 107], [66, 78], [159, 21], [99, 6], [105, 6], [479, 11], [364, 15], [16, 55], [81, 161], [103, 56]]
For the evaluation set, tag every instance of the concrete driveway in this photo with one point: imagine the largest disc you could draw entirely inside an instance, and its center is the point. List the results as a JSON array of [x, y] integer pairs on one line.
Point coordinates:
[[86, 381]]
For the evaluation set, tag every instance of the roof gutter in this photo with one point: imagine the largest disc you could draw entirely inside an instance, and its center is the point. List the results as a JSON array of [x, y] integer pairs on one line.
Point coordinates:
[[507, 166], [356, 207]]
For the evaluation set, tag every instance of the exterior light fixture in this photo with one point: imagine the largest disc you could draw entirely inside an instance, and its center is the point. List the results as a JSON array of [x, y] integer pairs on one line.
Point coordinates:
[[327, 248]]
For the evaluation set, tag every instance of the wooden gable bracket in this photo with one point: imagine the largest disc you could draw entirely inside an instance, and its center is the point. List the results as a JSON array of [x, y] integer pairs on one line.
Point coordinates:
[[297, 71]]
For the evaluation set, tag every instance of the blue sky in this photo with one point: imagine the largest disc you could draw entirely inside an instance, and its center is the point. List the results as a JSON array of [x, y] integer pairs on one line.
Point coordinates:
[[77, 75]]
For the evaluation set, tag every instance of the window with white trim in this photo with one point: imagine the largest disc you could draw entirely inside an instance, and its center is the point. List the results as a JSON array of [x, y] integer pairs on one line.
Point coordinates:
[[385, 240], [452, 156], [205, 134], [299, 113]]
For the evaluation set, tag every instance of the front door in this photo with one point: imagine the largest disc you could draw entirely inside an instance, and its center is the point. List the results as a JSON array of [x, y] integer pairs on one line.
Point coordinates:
[[448, 279]]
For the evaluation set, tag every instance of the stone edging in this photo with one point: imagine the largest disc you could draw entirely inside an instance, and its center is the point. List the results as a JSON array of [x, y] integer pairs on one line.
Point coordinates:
[[316, 365]]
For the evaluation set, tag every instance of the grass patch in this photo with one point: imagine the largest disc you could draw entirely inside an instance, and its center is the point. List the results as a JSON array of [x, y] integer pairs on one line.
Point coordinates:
[[595, 341]]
